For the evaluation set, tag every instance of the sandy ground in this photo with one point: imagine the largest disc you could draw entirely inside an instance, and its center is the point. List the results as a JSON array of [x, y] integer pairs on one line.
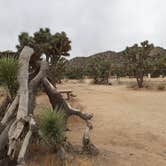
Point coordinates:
[[129, 125]]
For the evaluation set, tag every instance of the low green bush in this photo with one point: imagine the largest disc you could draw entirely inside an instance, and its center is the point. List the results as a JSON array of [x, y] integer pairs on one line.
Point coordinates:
[[52, 125], [8, 74]]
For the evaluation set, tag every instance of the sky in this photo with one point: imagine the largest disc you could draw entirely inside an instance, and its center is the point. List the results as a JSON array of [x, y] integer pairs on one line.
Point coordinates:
[[92, 25]]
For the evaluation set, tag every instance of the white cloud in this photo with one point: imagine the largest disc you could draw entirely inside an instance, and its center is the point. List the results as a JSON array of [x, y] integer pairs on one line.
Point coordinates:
[[92, 25]]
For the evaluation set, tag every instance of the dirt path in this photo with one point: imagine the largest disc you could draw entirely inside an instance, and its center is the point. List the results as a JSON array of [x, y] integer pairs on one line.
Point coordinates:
[[129, 125]]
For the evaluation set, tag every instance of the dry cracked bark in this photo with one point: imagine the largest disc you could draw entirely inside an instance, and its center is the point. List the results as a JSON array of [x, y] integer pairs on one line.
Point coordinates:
[[88, 146], [10, 113], [26, 142], [4, 105], [57, 100], [34, 83], [23, 77]]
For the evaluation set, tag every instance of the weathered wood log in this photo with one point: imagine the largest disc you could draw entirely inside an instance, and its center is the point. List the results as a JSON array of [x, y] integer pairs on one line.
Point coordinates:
[[34, 84], [4, 145], [86, 137], [83, 115], [57, 101], [4, 104], [23, 108], [10, 113], [21, 160], [4, 136], [88, 146], [67, 92], [23, 77], [24, 147], [14, 123]]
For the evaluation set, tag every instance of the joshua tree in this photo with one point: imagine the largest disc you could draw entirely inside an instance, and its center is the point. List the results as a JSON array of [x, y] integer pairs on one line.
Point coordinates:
[[57, 71], [74, 72], [17, 125], [159, 64], [138, 60], [99, 69], [53, 46], [46, 45]]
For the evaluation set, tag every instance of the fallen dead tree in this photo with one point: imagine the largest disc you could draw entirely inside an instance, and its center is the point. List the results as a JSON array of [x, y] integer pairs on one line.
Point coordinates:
[[18, 126]]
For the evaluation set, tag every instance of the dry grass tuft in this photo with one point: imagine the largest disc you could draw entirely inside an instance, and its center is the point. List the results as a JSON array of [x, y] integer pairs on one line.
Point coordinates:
[[132, 85], [53, 160], [46, 160], [148, 85], [161, 87]]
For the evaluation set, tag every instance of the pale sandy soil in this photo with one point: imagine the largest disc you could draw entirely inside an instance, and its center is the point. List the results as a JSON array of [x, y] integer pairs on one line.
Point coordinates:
[[129, 125]]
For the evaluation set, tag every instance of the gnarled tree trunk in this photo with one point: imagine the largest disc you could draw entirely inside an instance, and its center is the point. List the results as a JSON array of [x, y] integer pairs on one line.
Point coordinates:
[[17, 125], [4, 105], [57, 100]]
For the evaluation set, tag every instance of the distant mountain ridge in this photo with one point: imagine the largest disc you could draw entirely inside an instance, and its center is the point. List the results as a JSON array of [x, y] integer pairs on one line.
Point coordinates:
[[107, 55], [115, 57]]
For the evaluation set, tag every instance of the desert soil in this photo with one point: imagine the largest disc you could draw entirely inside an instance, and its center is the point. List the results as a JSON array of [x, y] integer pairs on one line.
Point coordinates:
[[129, 125]]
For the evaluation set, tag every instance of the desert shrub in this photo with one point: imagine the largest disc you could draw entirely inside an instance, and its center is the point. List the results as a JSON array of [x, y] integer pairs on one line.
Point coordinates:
[[8, 74], [146, 85], [52, 125], [2, 91], [57, 71], [99, 69], [74, 72], [149, 85], [132, 85], [161, 87]]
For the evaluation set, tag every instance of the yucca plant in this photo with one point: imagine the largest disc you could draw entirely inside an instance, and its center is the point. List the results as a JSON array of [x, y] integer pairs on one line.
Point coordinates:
[[8, 74], [52, 125]]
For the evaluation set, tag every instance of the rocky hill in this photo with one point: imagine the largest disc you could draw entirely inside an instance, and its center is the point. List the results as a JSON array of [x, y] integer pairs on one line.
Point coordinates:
[[114, 57]]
